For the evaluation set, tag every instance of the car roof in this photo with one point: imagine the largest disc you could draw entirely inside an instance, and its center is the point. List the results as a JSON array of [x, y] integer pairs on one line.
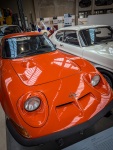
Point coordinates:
[[79, 27], [21, 34]]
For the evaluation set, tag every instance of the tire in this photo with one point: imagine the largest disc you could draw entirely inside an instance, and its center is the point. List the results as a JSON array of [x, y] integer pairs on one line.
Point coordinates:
[[108, 76]]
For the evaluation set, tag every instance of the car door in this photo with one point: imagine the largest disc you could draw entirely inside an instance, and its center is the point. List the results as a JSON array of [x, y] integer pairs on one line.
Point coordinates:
[[68, 41]]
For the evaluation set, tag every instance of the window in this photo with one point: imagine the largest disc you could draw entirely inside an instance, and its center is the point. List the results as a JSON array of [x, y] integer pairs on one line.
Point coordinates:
[[1, 34], [96, 35], [71, 38], [27, 46], [60, 35], [9, 30]]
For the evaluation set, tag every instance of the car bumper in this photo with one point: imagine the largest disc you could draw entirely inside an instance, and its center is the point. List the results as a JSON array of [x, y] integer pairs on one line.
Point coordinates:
[[57, 135]]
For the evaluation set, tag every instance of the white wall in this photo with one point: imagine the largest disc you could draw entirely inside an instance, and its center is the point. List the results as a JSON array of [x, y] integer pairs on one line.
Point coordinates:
[[105, 19]]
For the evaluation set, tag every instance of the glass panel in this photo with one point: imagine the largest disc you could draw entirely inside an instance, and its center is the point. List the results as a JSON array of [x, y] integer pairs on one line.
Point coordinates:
[[9, 30], [27, 46], [59, 35], [71, 38], [1, 34], [96, 35]]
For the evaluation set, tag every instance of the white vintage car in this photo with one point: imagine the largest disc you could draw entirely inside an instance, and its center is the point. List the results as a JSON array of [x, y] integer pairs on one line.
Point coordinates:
[[92, 42], [9, 29]]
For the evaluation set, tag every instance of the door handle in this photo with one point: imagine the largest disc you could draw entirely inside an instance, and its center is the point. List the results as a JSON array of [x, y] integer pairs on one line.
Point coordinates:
[[61, 45]]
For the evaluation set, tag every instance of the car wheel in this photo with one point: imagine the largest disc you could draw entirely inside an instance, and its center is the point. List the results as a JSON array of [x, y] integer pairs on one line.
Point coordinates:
[[108, 76]]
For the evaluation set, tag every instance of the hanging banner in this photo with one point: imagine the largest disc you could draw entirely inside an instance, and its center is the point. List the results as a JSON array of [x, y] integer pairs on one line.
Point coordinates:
[[60, 22]]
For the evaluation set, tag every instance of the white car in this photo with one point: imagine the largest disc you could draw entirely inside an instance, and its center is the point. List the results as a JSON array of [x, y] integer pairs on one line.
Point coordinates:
[[92, 42], [9, 29]]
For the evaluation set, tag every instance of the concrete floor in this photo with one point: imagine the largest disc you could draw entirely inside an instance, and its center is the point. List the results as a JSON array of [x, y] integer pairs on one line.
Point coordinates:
[[11, 144], [2, 130]]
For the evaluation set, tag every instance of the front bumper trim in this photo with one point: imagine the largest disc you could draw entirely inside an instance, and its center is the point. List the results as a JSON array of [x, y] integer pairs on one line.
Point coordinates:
[[57, 135]]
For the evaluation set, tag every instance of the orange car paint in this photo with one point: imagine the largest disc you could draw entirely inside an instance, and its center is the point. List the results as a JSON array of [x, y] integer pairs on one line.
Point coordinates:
[[61, 81]]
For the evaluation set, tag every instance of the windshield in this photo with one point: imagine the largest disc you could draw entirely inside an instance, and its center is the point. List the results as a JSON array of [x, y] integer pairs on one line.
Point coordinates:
[[96, 35], [26, 46], [9, 30]]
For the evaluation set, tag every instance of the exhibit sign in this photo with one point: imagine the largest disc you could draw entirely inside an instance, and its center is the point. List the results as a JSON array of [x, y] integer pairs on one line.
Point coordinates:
[[55, 23], [67, 20]]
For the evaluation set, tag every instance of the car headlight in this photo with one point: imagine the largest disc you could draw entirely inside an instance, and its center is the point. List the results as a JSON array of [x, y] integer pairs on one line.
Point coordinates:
[[32, 104], [95, 80]]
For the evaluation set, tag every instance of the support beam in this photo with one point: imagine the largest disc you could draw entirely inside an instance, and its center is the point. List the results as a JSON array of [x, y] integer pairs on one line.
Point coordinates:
[[37, 6], [21, 13], [34, 9], [56, 10], [92, 6], [76, 12]]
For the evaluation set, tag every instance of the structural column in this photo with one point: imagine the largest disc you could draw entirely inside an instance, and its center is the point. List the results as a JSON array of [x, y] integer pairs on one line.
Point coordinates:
[[92, 6], [76, 12], [21, 13], [56, 10], [37, 5]]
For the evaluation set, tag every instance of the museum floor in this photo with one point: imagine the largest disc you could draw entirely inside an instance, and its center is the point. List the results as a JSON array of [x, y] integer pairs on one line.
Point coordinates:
[[101, 125]]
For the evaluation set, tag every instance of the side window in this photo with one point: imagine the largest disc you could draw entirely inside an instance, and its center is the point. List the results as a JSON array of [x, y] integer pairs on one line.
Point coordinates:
[[12, 29], [70, 37], [1, 47], [0, 50], [1, 34], [59, 35]]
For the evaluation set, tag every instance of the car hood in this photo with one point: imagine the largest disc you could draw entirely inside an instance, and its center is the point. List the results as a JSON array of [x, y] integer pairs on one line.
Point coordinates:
[[44, 68], [105, 49]]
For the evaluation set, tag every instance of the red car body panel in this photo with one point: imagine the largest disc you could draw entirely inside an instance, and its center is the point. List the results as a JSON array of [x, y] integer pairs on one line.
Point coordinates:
[[61, 81]]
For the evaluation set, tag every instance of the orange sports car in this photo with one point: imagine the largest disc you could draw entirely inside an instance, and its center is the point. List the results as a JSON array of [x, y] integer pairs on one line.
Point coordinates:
[[48, 94]]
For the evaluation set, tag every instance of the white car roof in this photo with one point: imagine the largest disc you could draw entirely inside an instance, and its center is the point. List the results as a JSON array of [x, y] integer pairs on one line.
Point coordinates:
[[79, 27]]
